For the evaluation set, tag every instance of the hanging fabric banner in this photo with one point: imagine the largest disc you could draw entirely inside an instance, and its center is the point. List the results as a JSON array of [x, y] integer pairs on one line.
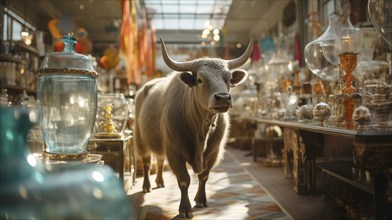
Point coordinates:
[[136, 68], [126, 39]]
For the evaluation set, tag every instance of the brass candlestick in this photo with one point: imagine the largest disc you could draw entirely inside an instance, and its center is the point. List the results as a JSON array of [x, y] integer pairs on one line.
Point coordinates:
[[348, 62]]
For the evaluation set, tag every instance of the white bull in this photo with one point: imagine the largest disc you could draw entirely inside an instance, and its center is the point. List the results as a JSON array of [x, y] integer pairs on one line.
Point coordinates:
[[183, 117]]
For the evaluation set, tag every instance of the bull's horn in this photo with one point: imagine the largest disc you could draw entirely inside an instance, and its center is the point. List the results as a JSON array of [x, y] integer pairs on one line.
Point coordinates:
[[243, 58], [174, 65]]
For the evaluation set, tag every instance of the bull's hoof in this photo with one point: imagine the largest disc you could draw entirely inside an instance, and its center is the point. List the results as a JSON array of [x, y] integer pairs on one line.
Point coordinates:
[[146, 186], [185, 215], [201, 205], [160, 185], [146, 189]]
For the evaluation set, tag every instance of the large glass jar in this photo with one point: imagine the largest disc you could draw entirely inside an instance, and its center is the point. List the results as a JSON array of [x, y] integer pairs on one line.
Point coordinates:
[[67, 95]]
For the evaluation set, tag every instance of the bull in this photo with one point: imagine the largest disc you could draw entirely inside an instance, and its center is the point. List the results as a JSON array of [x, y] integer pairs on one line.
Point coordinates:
[[183, 117]]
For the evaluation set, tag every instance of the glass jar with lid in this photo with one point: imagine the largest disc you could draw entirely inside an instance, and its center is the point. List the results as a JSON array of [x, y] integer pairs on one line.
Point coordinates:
[[67, 95]]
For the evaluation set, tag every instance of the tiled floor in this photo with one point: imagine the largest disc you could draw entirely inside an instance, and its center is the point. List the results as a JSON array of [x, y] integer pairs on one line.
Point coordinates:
[[232, 193]]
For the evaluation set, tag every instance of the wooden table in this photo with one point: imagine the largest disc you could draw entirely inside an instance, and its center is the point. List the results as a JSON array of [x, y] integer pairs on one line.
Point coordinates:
[[342, 153]]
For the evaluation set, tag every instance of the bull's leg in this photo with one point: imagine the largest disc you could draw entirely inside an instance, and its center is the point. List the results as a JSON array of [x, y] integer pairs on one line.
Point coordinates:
[[178, 167], [198, 163], [201, 198], [146, 159], [159, 179]]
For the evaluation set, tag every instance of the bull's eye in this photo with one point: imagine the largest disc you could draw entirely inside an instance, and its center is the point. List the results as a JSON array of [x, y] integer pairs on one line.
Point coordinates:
[[199, 81]]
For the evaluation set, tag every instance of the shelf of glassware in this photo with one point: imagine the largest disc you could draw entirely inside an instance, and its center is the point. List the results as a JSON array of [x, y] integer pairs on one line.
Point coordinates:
[[18, 70]]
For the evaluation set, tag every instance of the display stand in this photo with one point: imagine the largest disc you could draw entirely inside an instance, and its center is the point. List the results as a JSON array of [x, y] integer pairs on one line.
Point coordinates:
[[114, 151]]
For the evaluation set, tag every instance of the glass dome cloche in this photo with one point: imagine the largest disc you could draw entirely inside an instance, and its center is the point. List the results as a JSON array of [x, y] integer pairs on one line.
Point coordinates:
[[67, 95]]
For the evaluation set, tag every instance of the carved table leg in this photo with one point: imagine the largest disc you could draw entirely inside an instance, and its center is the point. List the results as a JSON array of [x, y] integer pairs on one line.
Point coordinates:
[[301, 167], [376, 157], [309, 142]]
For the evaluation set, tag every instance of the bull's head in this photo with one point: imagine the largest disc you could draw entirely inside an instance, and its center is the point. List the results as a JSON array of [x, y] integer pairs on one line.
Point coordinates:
[[211, 77]]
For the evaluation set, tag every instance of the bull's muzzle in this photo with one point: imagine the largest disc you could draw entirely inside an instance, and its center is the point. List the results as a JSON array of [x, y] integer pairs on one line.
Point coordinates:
[[222, 102]]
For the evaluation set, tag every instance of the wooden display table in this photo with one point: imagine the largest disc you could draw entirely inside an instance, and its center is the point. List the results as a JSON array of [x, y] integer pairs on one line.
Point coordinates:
[[361, 159], [114, 151]]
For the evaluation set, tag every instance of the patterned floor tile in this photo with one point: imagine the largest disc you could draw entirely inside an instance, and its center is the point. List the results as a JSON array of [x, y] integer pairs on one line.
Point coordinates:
[[232, 193]]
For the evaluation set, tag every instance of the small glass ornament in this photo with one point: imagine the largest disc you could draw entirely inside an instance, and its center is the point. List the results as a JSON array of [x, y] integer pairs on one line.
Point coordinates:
[[305, 112], [382, 109], [67, 95], [362, 117], [290, 103], [321, 111]]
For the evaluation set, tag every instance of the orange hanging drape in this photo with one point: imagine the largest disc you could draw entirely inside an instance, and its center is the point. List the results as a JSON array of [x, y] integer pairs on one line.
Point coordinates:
[[144, 46], [152, 51], [136, 68], [126, 39]]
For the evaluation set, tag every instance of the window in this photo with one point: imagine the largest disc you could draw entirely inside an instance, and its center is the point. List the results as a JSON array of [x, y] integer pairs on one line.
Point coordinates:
[[187, 14], [13, 25]]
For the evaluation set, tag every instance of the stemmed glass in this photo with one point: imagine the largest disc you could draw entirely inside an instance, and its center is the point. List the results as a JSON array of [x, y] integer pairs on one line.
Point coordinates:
[[350, 44]]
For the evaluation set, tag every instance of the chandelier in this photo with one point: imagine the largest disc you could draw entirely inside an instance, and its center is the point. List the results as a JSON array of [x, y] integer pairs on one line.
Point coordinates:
[[210, 34]]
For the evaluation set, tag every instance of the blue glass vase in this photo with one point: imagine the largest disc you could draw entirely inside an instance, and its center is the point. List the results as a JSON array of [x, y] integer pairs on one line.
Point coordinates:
[[29, 192], [67, 93]]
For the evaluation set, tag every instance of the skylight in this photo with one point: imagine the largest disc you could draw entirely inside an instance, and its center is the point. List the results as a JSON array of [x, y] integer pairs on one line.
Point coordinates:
[[187, 14]]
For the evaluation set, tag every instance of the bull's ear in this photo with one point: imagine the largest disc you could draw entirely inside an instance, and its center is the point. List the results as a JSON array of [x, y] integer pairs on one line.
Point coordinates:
[[238, 76], [188, 78]]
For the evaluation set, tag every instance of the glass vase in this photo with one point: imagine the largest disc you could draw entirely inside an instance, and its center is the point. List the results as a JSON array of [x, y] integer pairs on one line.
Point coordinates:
[[322, 54]]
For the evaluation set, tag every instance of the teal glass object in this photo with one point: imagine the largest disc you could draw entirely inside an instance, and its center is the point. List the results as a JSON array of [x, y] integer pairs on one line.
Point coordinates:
[[67, 95], [28, 191], [15, 124]]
